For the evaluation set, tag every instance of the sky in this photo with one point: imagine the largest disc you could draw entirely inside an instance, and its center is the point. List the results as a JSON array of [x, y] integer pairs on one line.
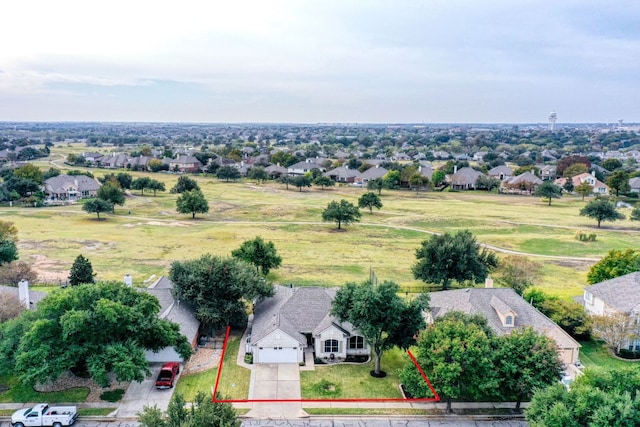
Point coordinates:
[[320, 61]]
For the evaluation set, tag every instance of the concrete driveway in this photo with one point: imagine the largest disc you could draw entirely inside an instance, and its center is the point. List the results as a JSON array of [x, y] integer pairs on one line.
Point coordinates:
[[139, 395], [275, 382]]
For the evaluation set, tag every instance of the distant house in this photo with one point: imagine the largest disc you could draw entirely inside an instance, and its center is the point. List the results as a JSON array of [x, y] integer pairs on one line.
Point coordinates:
[[464, 179], [634, 184], [174, 311], [505, 311], [185, 164], [525, 183], [479, 155], [69, 188], [501, 172], [618, 295], [26, 296], [342, 174], [295, 322], [376, 172], [548, 172], [275, 171], [301, 168], [599, 187]]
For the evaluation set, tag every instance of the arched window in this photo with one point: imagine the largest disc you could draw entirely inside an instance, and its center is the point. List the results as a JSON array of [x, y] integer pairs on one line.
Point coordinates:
[[331, 346]]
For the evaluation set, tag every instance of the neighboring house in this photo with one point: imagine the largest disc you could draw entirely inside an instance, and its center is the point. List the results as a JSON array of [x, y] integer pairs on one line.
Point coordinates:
[[501, 172], [185, 164], [479, 155], [298, 319], [634, 184], [525, 183], [505, 311], [69, 188], [27, 297], [464, 179], [599, 187], [342, 174], [618, 295], [376, 172], [301, 168], [548, 172], [174, 311], [275, 171]]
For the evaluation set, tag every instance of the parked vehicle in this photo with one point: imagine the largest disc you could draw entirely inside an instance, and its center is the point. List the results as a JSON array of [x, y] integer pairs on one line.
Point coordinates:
[[168, 374], [44, 415]]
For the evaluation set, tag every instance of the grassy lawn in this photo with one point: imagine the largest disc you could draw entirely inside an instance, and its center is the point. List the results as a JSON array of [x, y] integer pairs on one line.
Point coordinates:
[[595, 355], [20, 393], [368, 411], [234, 381], [354, 381]]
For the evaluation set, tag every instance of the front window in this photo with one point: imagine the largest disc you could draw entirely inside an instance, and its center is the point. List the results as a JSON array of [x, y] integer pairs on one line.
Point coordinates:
[[509, 321], [588, 297], [356, 342], [331, 346]]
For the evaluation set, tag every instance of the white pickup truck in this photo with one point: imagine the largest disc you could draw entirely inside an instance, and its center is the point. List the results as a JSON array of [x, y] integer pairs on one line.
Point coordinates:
[[44, 415]]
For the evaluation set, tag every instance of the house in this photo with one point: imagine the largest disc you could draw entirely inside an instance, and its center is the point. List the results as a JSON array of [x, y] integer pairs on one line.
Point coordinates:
[[185, 164], [525, 183], [275, 171], [548, 172], [618, 295], [599, 187], [70, 188], [377, 172], [301, 168], [342, 174], [174, 311], [27, 297], [501, 172], [634, 184], [478, 156], [505, 311], [296, 321], [464, 179]]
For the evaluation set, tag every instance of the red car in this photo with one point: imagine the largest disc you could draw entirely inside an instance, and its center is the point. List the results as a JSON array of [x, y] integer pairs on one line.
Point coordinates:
[[168, 374]]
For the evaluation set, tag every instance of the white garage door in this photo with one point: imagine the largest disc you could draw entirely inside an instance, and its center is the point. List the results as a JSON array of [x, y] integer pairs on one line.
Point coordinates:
[[278, 355]]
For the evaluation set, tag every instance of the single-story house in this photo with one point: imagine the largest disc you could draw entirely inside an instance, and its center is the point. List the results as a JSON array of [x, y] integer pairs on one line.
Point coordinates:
[[70, 188], [464, 179], [618, 295], [174, 311], [634, 184], [342, 174], [296, 321], [505, 311], [525, 183], [376, 172], [501, 172], [301, 168]]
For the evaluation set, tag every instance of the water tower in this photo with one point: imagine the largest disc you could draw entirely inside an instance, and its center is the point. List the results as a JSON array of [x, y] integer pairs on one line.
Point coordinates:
[[552, 121]]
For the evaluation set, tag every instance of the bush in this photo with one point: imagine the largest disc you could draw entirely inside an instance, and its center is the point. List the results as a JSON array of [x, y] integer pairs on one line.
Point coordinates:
[[629, 354], [112, 395], [248, 358], [584, 237]]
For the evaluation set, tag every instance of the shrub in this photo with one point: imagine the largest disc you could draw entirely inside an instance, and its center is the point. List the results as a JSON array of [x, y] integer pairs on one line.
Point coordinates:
[[628, 354], [112, 395], [584, 237], [248, 358]]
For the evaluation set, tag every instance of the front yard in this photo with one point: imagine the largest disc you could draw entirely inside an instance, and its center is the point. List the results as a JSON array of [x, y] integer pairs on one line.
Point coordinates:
[[353, 381], [595, 355]]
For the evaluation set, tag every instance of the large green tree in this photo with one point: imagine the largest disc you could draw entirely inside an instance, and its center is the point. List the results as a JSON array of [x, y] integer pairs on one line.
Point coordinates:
[[384, 319], [447, 257], [111, 192], [261, 254], [619, 181], [97, 206], [98, 329], [601, 210], [548, 191], [615, 263], [370, 200], [156, 186], [518, 272], [258, 173], [81, 272], [219, 289], [300, 181], [342, 212], [584, 189], [185, 184], [141, 184], [228, 173], [192, 202], [203, 412], [324, 182], [8, 239]]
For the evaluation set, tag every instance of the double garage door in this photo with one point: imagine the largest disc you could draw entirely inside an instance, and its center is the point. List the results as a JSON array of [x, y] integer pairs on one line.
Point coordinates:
[[278, 355]]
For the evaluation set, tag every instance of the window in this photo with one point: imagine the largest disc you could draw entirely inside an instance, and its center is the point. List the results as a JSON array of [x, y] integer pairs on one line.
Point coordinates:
[[634, 345], [356, 342], [331, 346], [508, 321], [588, 297]]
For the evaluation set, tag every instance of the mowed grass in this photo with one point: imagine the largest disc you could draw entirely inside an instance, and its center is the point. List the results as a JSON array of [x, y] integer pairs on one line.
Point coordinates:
[[234, 380], [595, 355], [18, 392], [353, 381]]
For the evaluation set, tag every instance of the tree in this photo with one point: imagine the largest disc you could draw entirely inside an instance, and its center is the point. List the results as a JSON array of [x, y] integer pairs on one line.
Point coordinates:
[[29, 172], [570, 315], [323, 182], [258, 173], [156, 185], [370, 200], [584, 189], [8, 239], [141, 183], [391, 180], [97, 206], [228, 173], [300, 181], [525, 360], [192, 202], [259, 253], [518, 272], [219, 289], [52, 172], [455, 354], [568, 186], [157, 165], [95, 329], [376, 184], [548, 191], [575, 169], [614, 329], [81, 272], [184, 184], [601, 210], [615, 263], [487, 182], [635, 214], [565, 162], [612, 164], [15, 271], [384, 319], [457, 257], [342, 212], [203, 413], [124, 179], [111, 192], [438, 178], [619, 181]]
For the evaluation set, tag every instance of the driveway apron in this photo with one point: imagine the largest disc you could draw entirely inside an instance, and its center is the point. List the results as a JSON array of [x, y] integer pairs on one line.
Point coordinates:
[[275, 382]]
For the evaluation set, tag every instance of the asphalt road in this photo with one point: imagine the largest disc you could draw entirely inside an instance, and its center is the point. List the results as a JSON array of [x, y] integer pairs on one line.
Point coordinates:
[[337, 422]]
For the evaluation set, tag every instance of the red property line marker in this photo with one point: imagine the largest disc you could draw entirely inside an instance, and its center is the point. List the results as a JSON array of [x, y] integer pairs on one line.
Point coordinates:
[[214, 398]]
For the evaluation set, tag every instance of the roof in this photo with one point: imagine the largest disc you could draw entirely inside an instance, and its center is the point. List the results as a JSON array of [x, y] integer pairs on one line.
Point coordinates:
[[526, 177], [621, 293], [500, 170], [374, 173], [295, 311], [342, 172], [62, 183], [34, 296], [465, 176], [487, 301]]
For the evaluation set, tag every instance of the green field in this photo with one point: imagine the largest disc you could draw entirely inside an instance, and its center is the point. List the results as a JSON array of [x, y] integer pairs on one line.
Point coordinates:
[[147, 234]]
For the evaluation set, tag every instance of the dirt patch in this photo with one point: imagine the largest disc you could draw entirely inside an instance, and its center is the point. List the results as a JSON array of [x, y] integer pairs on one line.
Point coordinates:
[[203, 359], [580, 265], [68, 380], [157, 223], [48, 270]]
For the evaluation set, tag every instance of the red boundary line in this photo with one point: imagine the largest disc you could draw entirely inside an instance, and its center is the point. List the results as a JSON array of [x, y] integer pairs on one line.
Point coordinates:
[[436, 397]]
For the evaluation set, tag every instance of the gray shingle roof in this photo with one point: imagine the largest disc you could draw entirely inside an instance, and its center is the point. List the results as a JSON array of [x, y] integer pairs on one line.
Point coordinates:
[[479, 300], [621, 293], [34, 296]]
